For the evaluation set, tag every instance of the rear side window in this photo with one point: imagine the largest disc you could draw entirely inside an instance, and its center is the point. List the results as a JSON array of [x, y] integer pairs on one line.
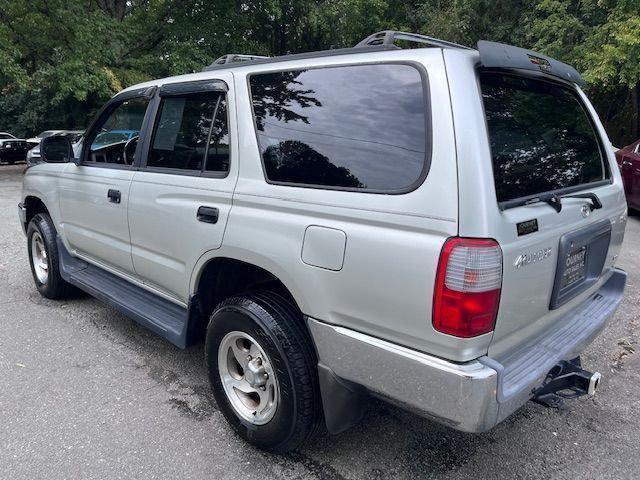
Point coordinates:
[[191, 134], [358, 127], [540, 135]]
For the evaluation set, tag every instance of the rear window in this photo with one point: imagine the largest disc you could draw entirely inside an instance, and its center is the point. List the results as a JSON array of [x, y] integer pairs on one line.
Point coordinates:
[[540, 136], [354, 127]]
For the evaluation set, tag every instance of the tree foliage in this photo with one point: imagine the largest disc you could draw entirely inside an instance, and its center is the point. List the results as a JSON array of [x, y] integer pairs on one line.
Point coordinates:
[[60, 60]]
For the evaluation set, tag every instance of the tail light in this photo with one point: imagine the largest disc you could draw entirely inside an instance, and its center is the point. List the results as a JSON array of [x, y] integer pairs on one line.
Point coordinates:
[[468, 284]]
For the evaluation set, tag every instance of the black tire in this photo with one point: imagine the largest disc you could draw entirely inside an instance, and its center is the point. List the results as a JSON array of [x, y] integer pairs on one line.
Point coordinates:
[[55, 287], [277, 326]]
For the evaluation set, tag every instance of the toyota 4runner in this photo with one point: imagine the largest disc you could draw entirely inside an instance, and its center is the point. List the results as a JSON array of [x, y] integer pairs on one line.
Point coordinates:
[[437, 227]]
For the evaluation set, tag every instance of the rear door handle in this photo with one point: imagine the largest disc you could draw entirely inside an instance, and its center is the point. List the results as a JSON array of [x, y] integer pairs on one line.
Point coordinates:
[[114, 196], [208, 214]]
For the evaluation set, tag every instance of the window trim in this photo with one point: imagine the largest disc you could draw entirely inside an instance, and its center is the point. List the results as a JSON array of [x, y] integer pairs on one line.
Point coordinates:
[[177, 92], [426, 166], [199, 86], [108, 108], [520, 201]]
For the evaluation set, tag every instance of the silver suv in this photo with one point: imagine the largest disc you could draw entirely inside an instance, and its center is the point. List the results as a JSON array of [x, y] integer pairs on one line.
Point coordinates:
[[435, 226]]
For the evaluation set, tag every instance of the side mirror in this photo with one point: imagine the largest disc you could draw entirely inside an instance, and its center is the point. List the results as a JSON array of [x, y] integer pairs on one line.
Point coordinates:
[[56, 149]]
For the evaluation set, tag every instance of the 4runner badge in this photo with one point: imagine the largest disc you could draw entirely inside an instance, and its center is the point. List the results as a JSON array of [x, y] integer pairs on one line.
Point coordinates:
[[532, 257]]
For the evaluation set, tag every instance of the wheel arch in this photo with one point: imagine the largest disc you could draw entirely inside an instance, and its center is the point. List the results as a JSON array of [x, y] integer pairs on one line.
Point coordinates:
[[34, 205], [218, 277]]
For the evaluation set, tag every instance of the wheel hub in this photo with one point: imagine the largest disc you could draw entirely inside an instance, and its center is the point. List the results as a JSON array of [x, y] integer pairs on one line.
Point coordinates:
[[255, 373], [39, 258], [248, 378]]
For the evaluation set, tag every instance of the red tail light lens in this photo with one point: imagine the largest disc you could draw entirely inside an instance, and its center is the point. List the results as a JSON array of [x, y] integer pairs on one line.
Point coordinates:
[[468, 285]]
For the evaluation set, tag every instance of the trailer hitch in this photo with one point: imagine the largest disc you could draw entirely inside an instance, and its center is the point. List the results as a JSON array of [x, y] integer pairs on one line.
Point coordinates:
[[564, 381]]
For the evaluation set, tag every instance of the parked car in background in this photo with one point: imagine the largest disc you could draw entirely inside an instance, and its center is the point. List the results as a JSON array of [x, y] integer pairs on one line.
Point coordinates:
[[12, 149], [33, 141], [112, 137], [74, 136], [628, 159]]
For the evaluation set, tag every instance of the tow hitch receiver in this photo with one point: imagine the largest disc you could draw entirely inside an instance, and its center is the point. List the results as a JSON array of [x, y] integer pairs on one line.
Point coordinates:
[[566, 380]]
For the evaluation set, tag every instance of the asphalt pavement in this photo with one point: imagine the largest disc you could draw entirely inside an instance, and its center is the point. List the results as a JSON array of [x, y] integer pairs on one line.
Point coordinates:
[[87, 393]]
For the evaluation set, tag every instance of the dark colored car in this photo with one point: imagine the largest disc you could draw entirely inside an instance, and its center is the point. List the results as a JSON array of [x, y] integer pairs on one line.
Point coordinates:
[[12, 149], [628, 159]]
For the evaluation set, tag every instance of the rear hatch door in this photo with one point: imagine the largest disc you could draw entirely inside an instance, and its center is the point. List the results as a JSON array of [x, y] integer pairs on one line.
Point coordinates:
[[561, 218]]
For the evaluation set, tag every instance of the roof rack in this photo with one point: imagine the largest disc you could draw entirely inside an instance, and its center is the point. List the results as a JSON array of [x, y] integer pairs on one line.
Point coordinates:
[[380, 41], [388, 37], [235, 58], [298, 56]]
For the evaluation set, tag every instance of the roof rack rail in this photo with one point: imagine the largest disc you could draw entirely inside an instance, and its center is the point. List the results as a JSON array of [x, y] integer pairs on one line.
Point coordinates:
[[388, 37], [235, 58]]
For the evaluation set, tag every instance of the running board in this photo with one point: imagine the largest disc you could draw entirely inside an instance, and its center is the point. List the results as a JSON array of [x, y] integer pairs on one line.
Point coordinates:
[[148, 309]]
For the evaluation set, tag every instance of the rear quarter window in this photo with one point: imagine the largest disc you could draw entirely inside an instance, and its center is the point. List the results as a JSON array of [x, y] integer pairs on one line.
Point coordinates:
[[361, 127], [541, 137]]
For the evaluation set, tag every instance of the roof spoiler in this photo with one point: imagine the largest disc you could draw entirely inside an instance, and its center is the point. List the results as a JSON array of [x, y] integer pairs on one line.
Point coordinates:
[[499, 55]]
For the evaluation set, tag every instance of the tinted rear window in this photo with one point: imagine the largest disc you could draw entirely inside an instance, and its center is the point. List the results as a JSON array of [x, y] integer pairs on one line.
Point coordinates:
[[540, 135], [356, 127]]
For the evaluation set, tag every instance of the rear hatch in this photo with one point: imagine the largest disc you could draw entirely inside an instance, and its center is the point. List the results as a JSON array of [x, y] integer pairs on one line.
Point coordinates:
[[561, 216]]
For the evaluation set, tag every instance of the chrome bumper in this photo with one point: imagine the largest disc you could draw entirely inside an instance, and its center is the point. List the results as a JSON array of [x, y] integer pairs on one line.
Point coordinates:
[[22, 214], [472, 396]]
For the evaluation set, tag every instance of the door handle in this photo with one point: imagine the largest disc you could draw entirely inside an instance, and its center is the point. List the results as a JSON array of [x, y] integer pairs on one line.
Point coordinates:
[[114, 196], [208, 214], [626, 163]]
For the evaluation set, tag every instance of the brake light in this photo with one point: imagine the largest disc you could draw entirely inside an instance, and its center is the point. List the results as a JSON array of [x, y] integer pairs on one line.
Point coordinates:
[[468, 285]]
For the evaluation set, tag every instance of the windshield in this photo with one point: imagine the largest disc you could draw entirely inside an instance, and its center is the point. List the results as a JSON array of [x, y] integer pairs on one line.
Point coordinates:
[[72, 136], [540, 136], [46, 134]]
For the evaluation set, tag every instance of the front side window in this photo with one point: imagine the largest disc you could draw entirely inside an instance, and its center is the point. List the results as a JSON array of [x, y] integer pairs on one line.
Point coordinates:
[[360, 127], [540, 135], [115, 138], [187, 137]]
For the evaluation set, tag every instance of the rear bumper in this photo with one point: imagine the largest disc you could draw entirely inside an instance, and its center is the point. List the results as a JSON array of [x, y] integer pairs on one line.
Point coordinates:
[[472, 396]]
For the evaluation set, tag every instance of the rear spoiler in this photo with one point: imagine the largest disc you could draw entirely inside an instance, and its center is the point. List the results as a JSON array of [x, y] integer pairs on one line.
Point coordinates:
[[499, 55]]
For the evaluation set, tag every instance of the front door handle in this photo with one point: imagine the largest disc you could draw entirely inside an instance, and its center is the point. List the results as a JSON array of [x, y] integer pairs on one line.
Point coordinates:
[[208, 214], [114, 196]]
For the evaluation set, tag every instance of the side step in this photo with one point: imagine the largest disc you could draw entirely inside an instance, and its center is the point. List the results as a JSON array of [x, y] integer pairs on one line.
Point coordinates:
[[151, 311]]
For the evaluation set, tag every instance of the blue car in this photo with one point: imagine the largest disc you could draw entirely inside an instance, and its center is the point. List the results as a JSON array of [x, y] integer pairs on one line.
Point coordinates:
[[113, 136]]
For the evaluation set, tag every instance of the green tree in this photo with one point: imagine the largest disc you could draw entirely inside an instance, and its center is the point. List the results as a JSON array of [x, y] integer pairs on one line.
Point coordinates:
[[601, 38], [61, 59]]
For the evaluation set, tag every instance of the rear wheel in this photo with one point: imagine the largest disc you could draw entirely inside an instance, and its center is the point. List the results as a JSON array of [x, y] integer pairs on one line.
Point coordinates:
[[43, 258], [263, 371]]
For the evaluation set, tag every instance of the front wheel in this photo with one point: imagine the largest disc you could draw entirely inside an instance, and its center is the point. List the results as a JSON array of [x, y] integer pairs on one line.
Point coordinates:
[[263, 371], [43, 258]]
